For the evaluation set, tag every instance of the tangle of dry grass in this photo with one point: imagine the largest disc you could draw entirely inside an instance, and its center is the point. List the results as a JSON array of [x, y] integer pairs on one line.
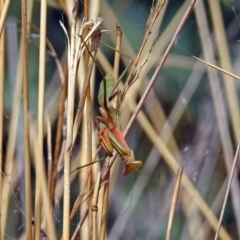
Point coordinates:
[[178, 112]]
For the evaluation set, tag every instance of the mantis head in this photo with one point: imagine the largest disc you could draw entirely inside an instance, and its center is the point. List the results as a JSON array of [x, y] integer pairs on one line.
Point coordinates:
[[131, 166], [130, 163]]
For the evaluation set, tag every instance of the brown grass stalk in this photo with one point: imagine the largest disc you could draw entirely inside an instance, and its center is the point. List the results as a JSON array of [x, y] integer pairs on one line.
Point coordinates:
[[232, 99], [80, 199], [160, 65], [134, 74], [104, 207], [48, 223], [94, 207], [49, 149], [41, 93], [79, 114], [217, 100], [76, 232], [117, 53], [27, 161], [4, 12], [225, 63], [174, 203], [2, 76], [206, 150], [10, 160], [89, 155], [88, 114], [69, 136], [227, 191], [58, 145]]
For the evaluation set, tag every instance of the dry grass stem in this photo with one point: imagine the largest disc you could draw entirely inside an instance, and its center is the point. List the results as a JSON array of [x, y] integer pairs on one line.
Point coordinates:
[[94, 207], [174, 203], [134, 74], [49, 148], [4, 12], [217, 99], [12, 142], [41, 95], [2, 77], [217, 68], [117, 53], [186, 109], [224, 58], [227, 191], [160, 65], [95, 44], [48, 222], [58, 144], [69, 133], [76, 232], [27, 161], [104, 208]]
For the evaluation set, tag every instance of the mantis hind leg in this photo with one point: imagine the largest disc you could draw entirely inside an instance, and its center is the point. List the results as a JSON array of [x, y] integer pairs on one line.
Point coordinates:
[[104, 139]]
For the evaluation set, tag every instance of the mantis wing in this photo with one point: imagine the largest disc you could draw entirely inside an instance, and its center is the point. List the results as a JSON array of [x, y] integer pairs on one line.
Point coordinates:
[[105, 90]]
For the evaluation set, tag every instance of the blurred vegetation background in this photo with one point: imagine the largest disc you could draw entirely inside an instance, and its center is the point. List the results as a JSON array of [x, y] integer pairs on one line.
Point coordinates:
[[191, 117]]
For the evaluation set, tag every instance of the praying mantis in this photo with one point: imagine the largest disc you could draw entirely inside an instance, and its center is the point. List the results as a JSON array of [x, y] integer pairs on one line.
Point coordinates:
[[110, 136]]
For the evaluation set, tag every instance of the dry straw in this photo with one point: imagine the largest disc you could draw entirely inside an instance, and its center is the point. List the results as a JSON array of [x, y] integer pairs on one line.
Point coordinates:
[[76, 185]]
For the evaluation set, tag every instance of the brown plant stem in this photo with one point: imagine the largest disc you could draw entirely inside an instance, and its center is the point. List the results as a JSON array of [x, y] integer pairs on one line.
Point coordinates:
[[58, 145], [70, 116], [4, 14], [174, 203], [2, 74], [27, 161]]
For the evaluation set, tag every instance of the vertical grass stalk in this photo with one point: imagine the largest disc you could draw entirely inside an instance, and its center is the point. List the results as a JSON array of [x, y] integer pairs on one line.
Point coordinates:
[[4, 12], [28, 192], [41, 90], [70, 114], [2, 75]]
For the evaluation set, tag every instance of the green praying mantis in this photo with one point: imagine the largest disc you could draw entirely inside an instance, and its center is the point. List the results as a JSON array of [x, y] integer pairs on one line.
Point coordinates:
[[110, 136]]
